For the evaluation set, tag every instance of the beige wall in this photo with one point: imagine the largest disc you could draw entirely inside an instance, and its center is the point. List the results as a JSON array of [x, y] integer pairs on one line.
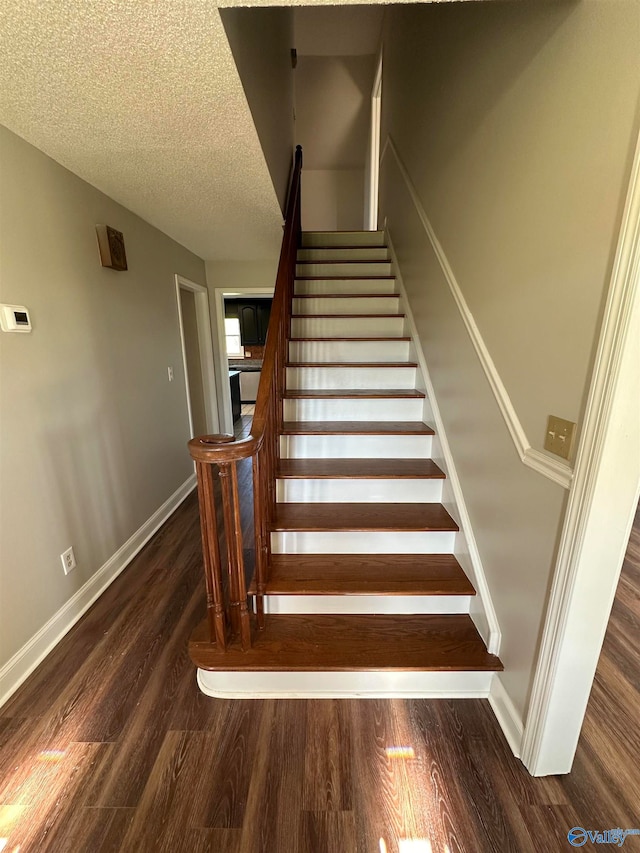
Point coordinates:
[[516, 124], [333, 113], [261, 42], [92, 434], [333, 200]]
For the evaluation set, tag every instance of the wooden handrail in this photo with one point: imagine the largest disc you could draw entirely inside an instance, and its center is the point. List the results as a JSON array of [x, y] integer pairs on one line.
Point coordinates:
[[227, 607]]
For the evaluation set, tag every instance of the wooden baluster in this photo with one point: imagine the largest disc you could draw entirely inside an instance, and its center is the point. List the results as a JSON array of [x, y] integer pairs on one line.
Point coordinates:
[[211, 555], [260, 537], [233, 529]]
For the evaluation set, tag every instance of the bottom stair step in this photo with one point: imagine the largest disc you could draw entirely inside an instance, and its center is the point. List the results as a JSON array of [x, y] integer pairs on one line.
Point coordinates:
[[332, 643]]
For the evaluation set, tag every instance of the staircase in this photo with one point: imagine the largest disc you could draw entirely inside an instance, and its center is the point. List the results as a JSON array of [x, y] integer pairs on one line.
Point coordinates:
[[364, 596]]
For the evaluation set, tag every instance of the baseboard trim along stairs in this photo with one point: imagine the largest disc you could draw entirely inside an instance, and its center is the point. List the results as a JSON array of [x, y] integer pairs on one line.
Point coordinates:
[[365, 596]]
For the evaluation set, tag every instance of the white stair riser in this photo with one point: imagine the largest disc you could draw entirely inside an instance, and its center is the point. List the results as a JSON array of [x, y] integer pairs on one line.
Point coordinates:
[[349, 285], [335, 253], [332, 409], [362, 542], [324, 378], [342, 238], [381, 684], [347, 327], [317, 268], [358, 491], [357, 351], [406, 604], [347, 305], [355, 446]]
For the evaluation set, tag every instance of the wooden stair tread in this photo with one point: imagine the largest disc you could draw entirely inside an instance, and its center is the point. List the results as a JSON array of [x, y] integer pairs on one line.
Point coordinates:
[[355, 393], [320, 517], [366, 574], [386, 469], [388, 338], [310, 643], [346, 296], [376, 364], [342, 316], [356, 428], [359, 248], [347, 261], [343, 277]]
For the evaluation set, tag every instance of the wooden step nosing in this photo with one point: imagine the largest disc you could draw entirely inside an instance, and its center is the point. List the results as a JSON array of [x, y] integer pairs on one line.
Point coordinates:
[[346, 260], [346, 296], [344, 316], [396, 365], [345, 278], [359, 394], [286, 470], [403, 339], [303, 427]]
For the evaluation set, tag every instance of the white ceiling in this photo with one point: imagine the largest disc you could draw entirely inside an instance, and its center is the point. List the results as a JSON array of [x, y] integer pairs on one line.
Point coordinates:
[[144, 102]]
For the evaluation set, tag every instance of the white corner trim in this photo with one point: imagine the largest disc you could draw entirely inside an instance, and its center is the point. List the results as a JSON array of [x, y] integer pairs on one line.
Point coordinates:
[[508, 718], [554, 469], [588, 498], [480, 580], [26, 659]]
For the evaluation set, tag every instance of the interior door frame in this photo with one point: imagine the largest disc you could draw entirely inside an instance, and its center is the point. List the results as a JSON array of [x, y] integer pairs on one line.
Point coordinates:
[[372, 178], [601, 504], [205, 346], [224, 396]]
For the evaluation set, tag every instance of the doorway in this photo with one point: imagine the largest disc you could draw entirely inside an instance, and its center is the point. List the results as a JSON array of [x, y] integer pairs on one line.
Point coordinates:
[[197, 356]]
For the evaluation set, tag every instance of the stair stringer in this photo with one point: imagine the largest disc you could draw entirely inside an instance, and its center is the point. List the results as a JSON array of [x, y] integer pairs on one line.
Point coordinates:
[[466, 550]]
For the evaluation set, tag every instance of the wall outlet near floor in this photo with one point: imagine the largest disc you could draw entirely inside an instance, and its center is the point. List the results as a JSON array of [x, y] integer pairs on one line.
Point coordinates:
[[170, 373], [559, 437], [68, 560]]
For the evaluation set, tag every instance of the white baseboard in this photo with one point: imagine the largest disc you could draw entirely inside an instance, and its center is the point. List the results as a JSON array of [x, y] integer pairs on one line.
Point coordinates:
[[376, 684], [554, 469], [506, 714], [26, 659]]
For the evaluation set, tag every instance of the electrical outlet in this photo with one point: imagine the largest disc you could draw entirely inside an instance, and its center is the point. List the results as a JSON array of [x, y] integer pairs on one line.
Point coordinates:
[[170, 373], [559, 437], [68, 560]]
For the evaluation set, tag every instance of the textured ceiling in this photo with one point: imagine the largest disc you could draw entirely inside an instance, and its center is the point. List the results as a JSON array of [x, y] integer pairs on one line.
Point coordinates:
[[142, 99]]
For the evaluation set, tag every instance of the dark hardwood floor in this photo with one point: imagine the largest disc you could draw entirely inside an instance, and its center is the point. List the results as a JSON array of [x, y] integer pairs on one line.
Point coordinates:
[[110, 746]]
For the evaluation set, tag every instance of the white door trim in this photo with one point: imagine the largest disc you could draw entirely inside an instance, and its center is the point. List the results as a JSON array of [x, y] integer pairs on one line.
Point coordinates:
[[201, 295], [601, 503], [372, 178]]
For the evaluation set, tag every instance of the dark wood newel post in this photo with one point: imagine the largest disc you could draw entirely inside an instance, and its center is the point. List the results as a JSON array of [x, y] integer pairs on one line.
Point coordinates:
[[228, 613]]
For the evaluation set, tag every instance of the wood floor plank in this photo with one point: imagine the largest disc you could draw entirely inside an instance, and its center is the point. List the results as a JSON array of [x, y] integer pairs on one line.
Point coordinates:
[[328, 781], [462, 788]]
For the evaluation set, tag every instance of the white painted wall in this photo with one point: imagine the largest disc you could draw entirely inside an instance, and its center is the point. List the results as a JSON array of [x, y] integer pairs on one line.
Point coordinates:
[[516, 125], [93, 435]]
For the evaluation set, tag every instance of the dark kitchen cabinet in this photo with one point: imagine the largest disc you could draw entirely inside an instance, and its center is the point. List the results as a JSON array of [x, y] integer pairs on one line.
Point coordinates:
[[254, 321]]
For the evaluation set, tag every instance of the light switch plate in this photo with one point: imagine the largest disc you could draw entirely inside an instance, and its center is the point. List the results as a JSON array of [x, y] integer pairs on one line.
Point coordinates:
[[559, 437]]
